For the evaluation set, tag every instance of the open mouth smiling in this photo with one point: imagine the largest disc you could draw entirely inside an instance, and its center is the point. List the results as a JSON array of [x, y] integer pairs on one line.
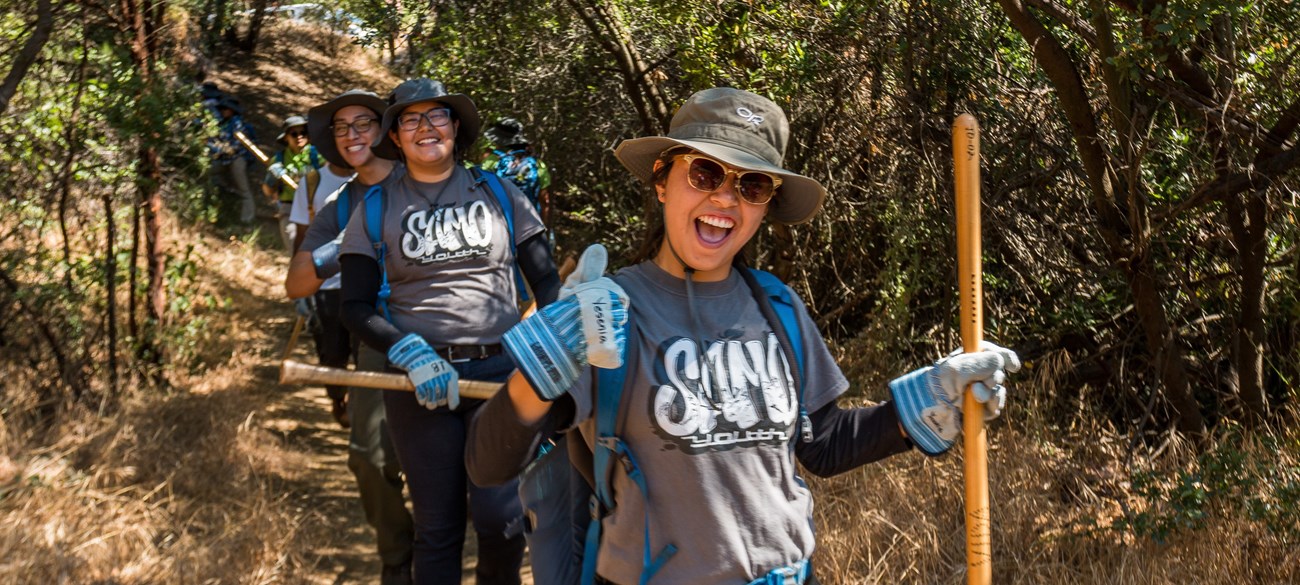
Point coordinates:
[[713, 230]]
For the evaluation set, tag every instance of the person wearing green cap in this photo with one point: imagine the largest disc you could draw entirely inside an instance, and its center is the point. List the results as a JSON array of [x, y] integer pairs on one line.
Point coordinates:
[[293, 161], [429, 279], [693, 456], [343, 130]]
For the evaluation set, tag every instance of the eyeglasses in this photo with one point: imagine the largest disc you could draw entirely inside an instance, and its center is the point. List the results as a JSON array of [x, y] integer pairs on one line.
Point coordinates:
[[296, 133], [437, 117], [708, 175], [361, 125]]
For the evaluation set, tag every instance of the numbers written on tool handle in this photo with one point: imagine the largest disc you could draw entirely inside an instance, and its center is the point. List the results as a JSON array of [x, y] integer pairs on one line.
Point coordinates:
[[966, 156]]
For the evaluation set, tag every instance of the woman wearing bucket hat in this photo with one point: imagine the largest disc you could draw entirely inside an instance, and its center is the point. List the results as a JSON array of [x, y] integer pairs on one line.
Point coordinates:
[[430, 280], [294, 160], [726, 379], [343, 129]]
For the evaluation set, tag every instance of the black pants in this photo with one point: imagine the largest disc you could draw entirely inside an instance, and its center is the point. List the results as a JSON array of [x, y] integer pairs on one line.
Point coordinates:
[[431, 447], [333, 343]]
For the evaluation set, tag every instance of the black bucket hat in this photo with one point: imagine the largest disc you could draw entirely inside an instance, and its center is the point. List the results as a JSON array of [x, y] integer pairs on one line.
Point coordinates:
[[506, 132], [742, 129], [291, 122], [230, 103], [320, 118], [209, 91], [414, 91]]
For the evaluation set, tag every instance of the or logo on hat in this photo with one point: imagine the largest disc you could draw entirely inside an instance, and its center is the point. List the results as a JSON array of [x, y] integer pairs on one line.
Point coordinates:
[[749, 115]]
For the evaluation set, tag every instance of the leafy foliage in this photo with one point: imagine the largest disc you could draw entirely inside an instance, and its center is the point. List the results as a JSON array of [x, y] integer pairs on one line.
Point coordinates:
[[1225, 481]]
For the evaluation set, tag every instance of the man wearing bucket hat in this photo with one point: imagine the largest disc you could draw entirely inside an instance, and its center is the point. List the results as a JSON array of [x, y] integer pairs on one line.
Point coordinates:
[[718, 386], [294, 160], [343, 129], [229, 156], [512, 158], [445, 249]]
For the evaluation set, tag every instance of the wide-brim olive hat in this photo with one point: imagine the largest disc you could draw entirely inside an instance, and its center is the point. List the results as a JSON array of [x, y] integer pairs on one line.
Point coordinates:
[[742, 129], [414, 91], [290, 123], [320, 118]]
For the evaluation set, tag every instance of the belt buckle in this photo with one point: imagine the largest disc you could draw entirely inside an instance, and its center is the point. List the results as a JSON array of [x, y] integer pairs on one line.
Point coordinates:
[[454, 357]]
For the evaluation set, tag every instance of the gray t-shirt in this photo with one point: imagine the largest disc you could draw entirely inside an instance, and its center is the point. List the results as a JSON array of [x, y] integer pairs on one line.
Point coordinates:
[[325, 226], [715, 451], [449, 261]]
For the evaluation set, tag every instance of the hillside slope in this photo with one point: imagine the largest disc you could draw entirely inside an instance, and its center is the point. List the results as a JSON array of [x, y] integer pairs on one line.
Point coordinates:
[[229, 477]]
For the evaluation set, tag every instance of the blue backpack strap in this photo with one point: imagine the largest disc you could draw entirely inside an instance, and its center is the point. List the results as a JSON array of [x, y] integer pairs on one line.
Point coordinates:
[[374, 202], [342, 207], [774, 296], [507, 209], [313, 156], [343, 202], [609, 400], [782, 301]]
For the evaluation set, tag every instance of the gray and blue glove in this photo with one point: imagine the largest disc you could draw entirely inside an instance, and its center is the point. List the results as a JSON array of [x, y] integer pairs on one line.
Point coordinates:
[[326, 258], [929, 400], [305, 307], [436, 382], [584, 326]]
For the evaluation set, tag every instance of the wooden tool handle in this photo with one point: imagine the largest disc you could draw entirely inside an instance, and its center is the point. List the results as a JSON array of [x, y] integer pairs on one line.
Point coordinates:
[[966, 167], [297, 373]]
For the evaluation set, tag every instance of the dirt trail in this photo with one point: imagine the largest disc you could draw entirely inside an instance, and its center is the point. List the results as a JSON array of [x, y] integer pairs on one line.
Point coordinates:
[[292, 72]]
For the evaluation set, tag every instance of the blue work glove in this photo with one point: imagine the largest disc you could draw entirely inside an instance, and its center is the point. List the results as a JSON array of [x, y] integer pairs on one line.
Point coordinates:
[[436, 382], [326, 258], [305, 307], [584, 326], [929, 400]]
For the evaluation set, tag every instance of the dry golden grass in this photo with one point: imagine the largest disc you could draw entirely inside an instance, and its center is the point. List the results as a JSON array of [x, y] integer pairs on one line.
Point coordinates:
[[231, 479]]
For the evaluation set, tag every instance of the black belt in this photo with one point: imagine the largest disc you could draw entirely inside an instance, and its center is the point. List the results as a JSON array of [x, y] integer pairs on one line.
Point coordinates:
[[463, 353]]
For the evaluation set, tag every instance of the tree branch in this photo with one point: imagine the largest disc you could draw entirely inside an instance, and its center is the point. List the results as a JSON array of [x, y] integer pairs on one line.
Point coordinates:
[[27, 56]]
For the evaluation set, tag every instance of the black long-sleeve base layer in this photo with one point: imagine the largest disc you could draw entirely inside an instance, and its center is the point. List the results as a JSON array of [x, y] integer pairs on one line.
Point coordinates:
[[362, 279], [499, 446]]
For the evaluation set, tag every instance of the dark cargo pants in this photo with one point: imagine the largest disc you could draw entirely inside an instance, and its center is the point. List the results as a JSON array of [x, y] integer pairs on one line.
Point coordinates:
[[373, 461]]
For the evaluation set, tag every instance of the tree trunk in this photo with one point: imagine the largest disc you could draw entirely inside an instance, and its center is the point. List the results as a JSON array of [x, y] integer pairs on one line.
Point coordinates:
[[249, 43], [1163, 346], [1249, 236], [143, 20], [1121, 213], [639, 80], [133, 280], [110, 294], [30, 51]]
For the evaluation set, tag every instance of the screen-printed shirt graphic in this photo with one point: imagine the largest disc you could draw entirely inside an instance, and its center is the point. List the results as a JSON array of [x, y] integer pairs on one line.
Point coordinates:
[[447, 234], [740, 394], [711, 431], [447, 256]]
